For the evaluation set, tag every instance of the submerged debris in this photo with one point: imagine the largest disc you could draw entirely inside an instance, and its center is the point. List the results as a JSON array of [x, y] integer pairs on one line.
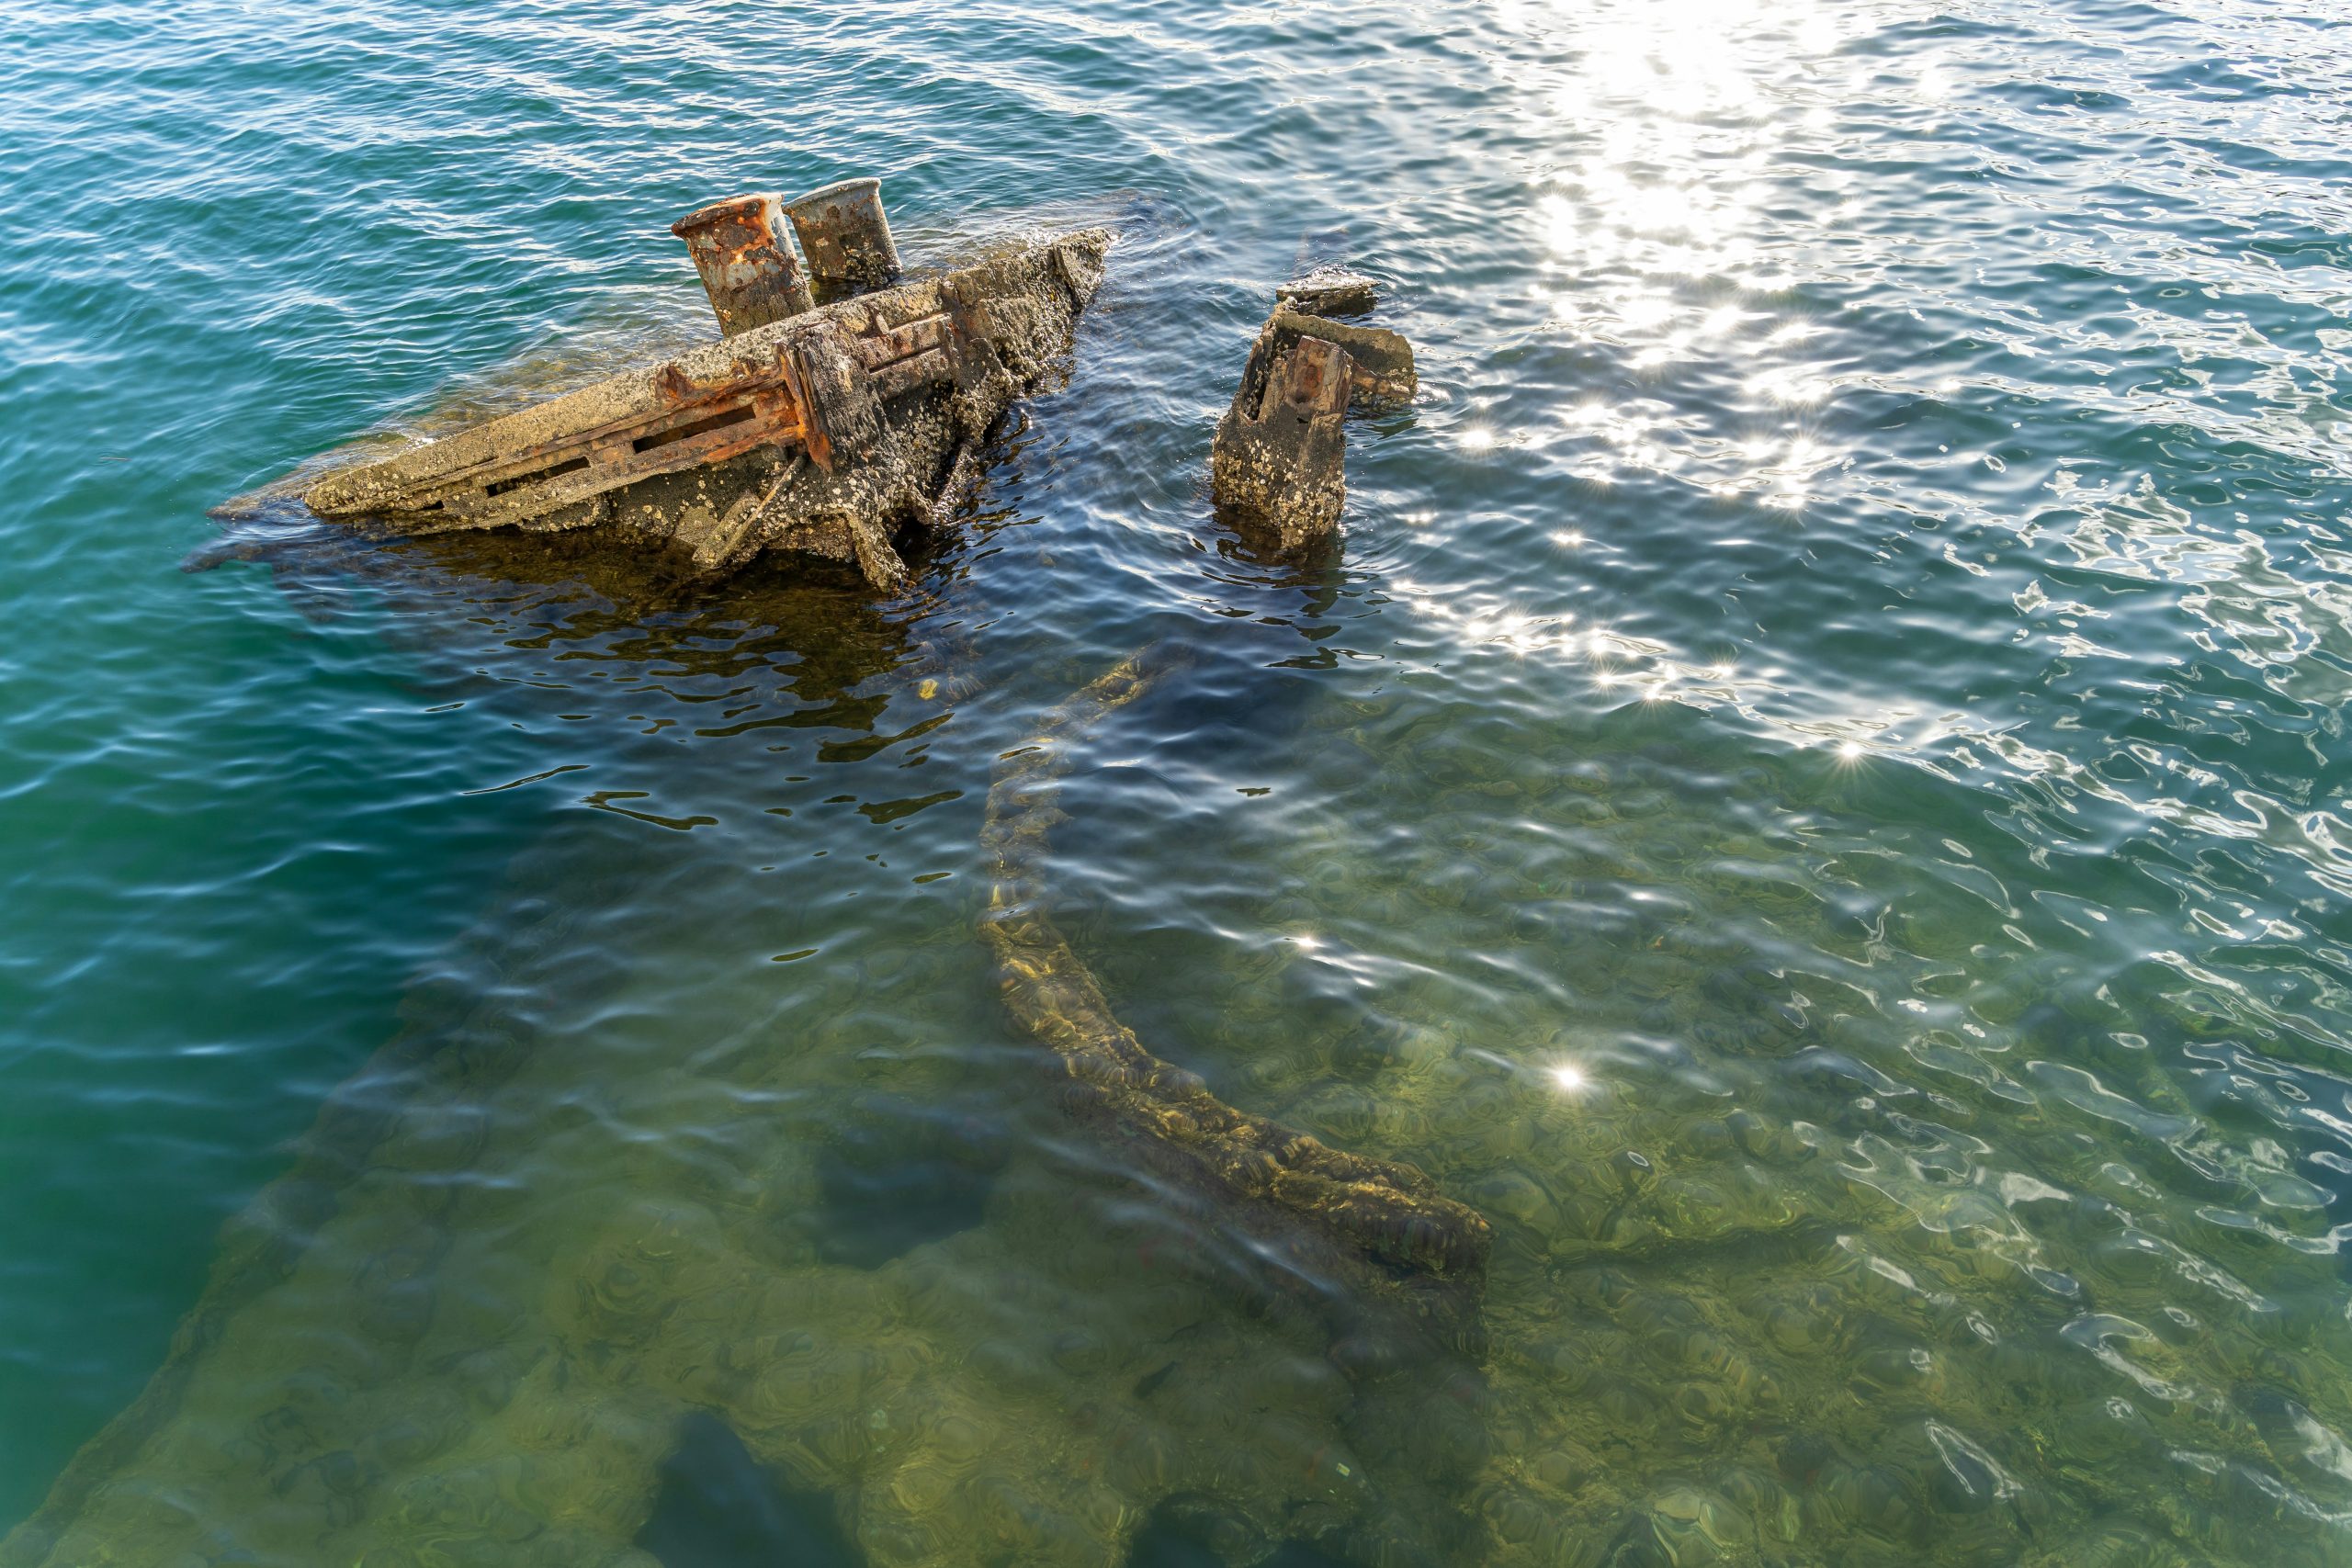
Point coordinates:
[[1277, 466], [1408, 1260], [472, 1325], [815, 427]]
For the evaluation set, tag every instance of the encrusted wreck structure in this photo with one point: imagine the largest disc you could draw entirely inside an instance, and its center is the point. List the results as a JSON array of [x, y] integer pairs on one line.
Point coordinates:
[[1277, 466], [819, 427], [470, 1326]]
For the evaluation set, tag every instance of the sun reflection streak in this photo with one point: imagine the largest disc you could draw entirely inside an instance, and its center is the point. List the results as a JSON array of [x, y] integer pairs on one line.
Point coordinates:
[[1684, 107], [1676, 137], [1617, 660]]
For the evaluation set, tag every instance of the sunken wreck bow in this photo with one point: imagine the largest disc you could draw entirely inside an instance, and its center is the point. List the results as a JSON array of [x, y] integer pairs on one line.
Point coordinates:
[[825, 429]]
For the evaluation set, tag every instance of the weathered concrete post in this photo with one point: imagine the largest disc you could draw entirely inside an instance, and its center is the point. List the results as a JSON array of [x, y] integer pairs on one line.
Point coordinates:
[[1275, 467], [847, 237], [1276, 461], [747, 266], [1276, 464]]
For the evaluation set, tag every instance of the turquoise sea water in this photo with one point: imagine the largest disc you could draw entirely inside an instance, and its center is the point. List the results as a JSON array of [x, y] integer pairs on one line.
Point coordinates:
[[1812, 795]]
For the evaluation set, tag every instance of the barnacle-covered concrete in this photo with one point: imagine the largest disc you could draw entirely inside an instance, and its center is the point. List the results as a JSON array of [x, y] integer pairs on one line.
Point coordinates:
[[1278, 466], [827, 431]]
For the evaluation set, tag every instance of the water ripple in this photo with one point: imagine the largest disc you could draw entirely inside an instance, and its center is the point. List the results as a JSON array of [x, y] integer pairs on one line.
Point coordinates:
[[1814, 793]]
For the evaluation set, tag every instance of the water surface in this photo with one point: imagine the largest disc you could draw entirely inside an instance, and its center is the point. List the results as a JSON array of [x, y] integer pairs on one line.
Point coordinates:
[[1812, 795]]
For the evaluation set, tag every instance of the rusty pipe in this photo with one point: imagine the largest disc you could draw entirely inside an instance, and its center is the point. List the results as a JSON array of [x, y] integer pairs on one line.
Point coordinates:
[[747, 266], [847, 237]]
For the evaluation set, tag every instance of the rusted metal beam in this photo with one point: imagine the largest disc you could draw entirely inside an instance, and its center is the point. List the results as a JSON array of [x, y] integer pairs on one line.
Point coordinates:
[[703, 407]]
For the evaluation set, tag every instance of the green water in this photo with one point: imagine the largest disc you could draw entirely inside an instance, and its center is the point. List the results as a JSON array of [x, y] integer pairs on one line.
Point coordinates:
[[1812, 795]]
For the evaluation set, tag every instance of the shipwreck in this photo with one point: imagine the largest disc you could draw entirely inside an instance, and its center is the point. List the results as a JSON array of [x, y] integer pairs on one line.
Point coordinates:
[[469, 1328], [844, 402]]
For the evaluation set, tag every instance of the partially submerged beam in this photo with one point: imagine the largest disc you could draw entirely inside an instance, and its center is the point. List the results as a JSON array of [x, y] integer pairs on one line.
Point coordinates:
[[1374, 1242]]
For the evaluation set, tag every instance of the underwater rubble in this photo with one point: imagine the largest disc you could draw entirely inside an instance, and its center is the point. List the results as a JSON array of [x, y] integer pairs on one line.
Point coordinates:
[[475, 1321], [828, 416]]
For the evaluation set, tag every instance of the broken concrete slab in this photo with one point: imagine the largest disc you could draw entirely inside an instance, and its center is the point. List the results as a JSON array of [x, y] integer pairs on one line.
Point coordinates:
[[1328, 291], [823, 432], [1276, 467]]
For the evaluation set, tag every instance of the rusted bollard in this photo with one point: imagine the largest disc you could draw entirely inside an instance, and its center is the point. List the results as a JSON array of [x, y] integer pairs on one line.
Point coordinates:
[[747, 267], [847, 237]]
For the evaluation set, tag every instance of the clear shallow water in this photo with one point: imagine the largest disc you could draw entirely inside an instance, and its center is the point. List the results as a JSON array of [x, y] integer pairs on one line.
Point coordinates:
[[1835, 691]]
